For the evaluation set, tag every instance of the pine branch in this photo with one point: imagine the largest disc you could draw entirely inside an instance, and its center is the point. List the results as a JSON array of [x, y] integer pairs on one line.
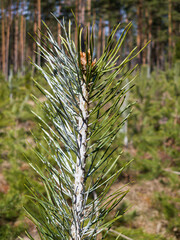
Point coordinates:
[[83, 117]]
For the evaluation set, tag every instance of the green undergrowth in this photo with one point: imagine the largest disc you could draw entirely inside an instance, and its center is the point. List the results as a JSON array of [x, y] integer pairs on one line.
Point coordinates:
[[16, 142], [154, 126], [169, 207], [9, 232]]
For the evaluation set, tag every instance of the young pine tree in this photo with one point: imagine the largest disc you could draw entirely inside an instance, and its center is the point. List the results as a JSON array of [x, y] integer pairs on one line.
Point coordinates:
[[83, 117]]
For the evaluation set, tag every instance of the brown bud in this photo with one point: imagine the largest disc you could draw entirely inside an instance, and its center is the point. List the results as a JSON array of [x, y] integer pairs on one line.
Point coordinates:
[[83, 60]]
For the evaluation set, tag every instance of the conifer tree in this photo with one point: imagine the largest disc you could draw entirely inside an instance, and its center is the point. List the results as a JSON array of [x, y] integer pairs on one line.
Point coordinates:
[[83, 117]]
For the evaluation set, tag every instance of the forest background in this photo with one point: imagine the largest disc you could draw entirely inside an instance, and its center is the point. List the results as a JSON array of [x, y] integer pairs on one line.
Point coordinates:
[[151, 136]]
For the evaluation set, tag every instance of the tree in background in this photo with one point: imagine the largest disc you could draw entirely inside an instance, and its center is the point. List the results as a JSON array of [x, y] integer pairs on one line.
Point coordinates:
[[3, 48], [154, 20], [39, 29], [16, 38], [22, 38]]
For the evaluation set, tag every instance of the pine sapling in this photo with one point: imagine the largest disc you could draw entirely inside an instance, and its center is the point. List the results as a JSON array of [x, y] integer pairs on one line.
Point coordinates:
[[84, 115]]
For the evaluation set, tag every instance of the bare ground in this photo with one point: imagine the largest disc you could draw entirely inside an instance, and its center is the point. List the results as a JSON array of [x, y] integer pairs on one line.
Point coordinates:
[[141, 200]]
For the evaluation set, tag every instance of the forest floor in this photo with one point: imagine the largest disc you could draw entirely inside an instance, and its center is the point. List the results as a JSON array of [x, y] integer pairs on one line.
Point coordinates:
[[140, 200]]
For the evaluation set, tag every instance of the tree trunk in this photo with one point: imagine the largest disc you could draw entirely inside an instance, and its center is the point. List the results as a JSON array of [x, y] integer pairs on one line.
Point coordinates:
[[34, 43], [16, 40], [94, 30], [103, 36], [89, 17], [3, 40], [158, 51], [174, 35], [39, 29], [78, 201], [22, 42], [99, 39], [79, 5], [82, 12], [139, 29], [9, 20], [170, 32], [149, 45], [144, 55]]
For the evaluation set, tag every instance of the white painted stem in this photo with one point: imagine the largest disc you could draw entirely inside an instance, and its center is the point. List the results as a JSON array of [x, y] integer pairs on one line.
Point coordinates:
[[78, 201]]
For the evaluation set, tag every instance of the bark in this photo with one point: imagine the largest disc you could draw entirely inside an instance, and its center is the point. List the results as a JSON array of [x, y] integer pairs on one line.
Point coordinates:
[[99, 39], [170, 32], [82, 12], [162, 57], [3, 40], [89, 16], [94, 21], [39, 29], [144, 55], [103, 37], [22, 42], [16, 40], [139, 30], [149, 45], [78, 201], [79, 4], [174, 35], [8, 27], [24, 37], [158, 51], [34, 43]]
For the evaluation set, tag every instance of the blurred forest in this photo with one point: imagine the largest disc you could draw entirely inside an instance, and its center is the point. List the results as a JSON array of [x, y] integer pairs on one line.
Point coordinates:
[[154, 20], [151, 136]]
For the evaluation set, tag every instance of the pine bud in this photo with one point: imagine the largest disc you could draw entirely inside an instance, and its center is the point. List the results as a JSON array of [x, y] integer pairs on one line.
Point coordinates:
[[84, 59]]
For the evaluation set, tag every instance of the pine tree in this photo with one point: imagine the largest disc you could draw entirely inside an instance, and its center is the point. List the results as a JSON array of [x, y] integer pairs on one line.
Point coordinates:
[[84, 115]]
